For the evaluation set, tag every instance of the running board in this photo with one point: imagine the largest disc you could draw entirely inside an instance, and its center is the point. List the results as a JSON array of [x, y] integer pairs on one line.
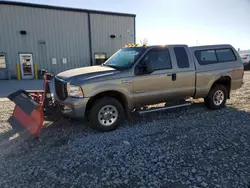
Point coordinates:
[[163, 108]]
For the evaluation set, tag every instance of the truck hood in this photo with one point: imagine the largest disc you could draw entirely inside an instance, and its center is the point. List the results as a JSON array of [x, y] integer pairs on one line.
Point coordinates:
[[85, 73]]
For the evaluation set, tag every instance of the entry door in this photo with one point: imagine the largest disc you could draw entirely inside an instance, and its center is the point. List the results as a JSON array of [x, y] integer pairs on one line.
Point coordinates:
[[26, 66], [158, 86]]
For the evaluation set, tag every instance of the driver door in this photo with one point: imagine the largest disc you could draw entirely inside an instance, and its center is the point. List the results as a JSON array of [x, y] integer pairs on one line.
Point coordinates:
[[155, 87]]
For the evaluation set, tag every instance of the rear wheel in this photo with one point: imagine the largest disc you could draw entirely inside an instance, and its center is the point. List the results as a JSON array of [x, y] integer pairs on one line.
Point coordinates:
[[106, 114], [217, 97]]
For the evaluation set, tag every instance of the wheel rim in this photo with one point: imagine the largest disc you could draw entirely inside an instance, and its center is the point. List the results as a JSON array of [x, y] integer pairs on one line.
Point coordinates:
[[218, 97], [108, 115]]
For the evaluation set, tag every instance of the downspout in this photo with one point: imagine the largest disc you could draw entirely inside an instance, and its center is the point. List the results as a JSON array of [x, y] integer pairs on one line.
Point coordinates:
[[90, 40]]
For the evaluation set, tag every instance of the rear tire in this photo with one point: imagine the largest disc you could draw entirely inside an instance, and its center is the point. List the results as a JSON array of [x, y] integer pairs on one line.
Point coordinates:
[[106, 114], [217, 97]]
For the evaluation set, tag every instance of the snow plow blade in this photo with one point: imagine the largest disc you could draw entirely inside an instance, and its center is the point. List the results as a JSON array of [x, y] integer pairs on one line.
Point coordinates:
[[27, 114]]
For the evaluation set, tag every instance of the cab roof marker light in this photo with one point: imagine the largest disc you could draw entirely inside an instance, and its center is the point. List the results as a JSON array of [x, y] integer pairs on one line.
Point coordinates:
[[133, 45]]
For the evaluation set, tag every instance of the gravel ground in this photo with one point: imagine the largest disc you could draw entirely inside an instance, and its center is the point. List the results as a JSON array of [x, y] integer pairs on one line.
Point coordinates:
[[189, 147]]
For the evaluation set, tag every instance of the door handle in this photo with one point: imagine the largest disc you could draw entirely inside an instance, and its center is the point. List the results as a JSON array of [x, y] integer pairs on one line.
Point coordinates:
[[173, 76]]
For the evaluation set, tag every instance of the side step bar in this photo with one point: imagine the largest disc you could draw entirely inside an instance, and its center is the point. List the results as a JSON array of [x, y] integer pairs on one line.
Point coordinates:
[[163, 108]]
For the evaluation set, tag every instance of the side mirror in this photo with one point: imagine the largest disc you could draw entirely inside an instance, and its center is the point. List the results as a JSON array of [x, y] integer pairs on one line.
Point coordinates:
[[49, 76], [150, 67], [43, 71], [144, 67]]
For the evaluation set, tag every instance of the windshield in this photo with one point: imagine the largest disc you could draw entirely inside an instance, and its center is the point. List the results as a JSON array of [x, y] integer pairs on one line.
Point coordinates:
[[124, 57]]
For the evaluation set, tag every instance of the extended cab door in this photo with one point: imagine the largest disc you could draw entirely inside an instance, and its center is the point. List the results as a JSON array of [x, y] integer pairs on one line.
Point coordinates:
[[167, 82], [184, 66]]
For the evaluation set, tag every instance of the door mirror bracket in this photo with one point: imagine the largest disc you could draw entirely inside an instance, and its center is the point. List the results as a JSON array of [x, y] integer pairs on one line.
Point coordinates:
[[150, 67], [144, 67]]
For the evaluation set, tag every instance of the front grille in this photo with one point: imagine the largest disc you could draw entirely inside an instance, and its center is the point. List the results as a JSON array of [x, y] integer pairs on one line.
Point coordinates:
[[61, 89]]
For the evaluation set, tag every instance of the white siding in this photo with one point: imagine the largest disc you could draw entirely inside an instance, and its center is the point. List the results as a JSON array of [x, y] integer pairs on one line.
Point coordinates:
[[54, 32], [102, 26], [65, 34]]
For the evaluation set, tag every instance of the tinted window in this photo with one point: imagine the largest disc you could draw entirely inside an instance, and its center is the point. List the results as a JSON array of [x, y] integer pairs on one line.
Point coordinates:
[[225, 55], [181, 57], [214, 56], [206, 57], [160, 59]]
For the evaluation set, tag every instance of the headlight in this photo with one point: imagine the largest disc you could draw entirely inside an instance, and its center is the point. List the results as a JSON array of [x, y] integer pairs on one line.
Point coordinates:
[[74, 91]]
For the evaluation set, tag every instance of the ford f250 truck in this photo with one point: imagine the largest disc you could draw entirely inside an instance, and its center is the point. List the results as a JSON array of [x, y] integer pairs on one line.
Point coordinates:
[[137, 76]]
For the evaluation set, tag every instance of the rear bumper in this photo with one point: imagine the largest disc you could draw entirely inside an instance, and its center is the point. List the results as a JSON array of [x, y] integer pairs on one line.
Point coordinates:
[[246, 61], [73, 107]]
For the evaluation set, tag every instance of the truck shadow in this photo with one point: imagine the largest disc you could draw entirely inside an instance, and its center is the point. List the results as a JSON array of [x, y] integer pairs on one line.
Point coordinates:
[[176, 112], [63, 129], [187, 112]]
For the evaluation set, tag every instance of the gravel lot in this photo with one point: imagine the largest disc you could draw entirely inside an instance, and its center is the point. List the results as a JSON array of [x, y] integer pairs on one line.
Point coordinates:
[[189, 147]]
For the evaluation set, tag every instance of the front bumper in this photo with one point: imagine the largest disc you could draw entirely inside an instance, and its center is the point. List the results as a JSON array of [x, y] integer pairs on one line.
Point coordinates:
[[73, 107]]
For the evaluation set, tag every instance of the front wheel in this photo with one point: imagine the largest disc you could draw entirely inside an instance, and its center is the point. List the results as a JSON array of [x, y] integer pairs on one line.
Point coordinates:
[[217, 97], [106, 114]]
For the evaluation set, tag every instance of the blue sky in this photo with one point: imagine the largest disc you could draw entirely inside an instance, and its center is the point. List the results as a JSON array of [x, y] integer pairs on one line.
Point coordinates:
[[179, 21]]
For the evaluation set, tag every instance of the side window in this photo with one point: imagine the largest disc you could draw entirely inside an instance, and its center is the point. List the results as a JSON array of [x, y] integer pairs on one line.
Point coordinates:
[[181, 57], [2, 61], [160, 59], [209, 56], [206, 57], [225, 55]]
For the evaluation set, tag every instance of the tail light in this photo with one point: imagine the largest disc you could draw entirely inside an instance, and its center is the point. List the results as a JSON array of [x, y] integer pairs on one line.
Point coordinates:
[[244, 58]]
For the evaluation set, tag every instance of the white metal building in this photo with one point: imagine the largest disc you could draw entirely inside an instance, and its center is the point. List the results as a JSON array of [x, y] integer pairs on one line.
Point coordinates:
[[58, 38]]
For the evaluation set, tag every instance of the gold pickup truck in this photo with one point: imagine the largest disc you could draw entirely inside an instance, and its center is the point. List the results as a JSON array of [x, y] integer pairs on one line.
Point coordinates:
[[138, 76]]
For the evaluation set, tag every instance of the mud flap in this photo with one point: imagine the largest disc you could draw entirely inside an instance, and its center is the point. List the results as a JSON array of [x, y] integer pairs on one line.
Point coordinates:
[[27, 114]]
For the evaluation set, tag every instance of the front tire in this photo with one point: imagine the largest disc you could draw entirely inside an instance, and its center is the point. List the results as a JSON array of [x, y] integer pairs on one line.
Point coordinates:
[[106, 114], [217, 97]]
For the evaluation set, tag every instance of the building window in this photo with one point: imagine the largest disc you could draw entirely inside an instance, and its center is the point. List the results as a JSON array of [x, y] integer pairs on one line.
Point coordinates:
[[100, 58], [2, 61]]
